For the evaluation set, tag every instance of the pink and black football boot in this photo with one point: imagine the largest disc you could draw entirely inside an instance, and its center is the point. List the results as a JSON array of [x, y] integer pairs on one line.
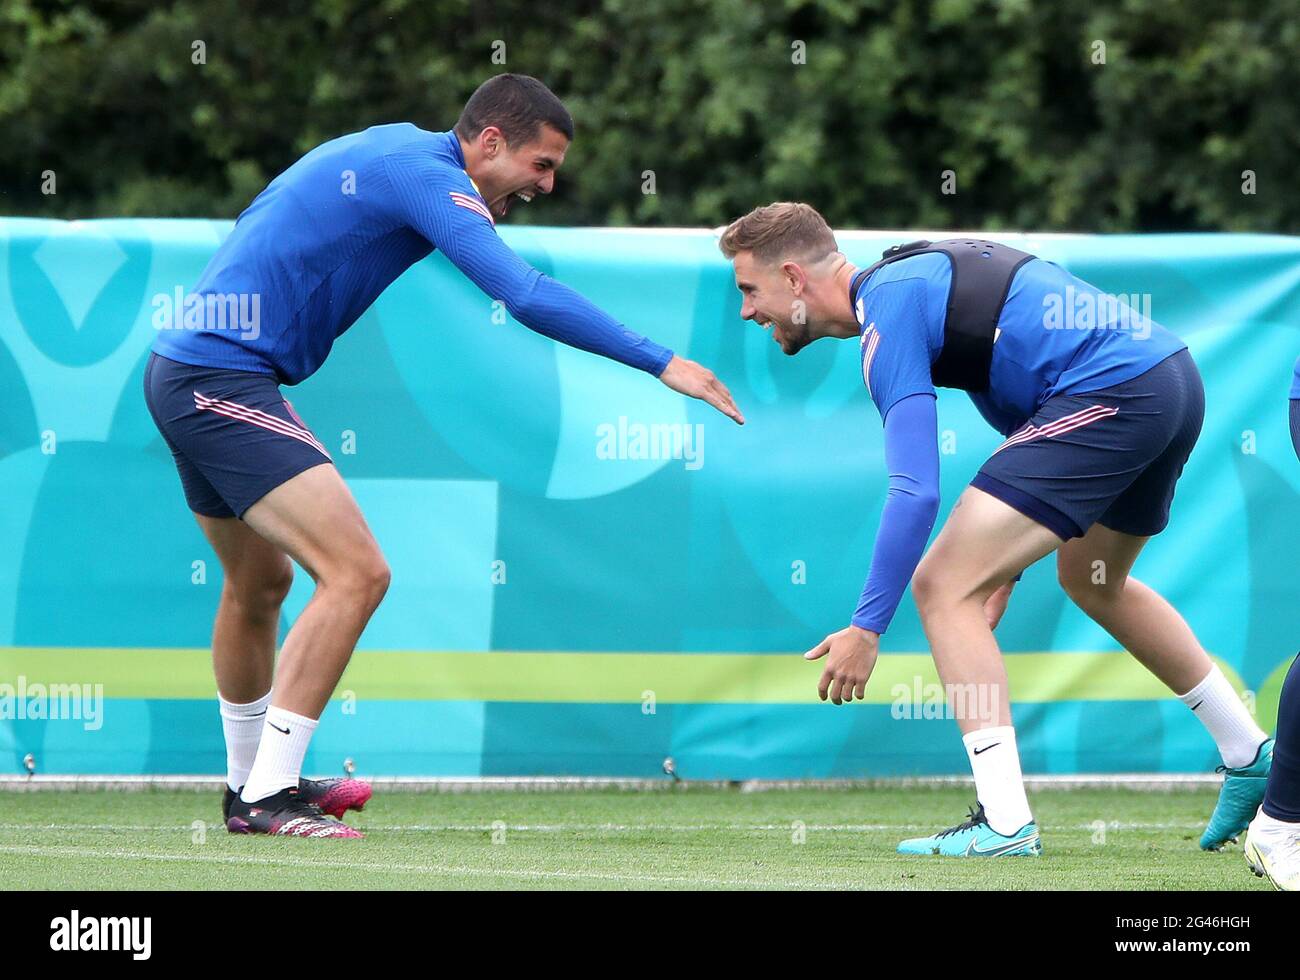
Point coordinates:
[[335, 797], [285, 814]]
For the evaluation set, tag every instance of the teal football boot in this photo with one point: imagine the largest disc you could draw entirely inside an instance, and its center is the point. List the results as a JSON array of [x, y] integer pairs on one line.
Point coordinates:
[[1241, 795], [975, 838]]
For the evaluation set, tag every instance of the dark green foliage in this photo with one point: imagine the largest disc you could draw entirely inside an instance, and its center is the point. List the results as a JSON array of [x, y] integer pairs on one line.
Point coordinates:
[[707, 95]]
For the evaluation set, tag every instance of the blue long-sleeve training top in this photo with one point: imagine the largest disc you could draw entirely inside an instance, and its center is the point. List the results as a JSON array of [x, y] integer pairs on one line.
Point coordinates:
[[1040, 350], [330, 234]]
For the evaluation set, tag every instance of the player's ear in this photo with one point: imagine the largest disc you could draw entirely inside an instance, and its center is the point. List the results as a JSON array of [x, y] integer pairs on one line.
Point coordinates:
[[492, 140], [795, 277]]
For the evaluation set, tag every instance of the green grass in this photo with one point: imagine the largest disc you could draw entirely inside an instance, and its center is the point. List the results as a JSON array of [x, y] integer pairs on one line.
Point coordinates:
[[686, 838]]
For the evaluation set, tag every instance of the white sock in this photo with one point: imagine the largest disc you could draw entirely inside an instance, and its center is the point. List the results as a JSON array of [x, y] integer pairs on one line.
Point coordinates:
[[278, 765], [1225, 717], [999, 786], [242, 725], [1272, 826]]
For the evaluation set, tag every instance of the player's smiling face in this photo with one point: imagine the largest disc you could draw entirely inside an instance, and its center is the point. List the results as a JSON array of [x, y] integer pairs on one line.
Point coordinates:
[[768, 299], [507, 175]]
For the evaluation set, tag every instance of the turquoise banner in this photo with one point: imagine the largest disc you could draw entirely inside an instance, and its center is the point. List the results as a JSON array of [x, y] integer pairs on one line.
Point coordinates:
[[591, 573]]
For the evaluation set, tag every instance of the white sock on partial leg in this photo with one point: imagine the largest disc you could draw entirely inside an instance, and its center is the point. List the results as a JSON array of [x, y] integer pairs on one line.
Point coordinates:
[[278, 765], [1215, 703], [1273, 827], [999, 785], [242, 726]]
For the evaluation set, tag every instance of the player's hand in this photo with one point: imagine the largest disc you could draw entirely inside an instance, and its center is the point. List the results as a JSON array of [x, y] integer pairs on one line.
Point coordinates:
[[996, 605], [699, 382], [852, 657]]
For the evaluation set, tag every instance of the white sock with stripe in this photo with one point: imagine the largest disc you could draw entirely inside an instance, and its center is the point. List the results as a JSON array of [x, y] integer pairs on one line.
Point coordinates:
[[999, 785], [283, 746], [242, 726], [1215, 703]]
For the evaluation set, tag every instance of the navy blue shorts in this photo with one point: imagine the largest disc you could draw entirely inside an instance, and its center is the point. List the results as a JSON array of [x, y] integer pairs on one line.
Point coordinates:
[[1110, 456], [1295, 425], [232, 434]]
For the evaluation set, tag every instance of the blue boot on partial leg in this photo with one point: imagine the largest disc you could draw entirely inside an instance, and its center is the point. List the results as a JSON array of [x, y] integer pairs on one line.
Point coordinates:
[[1239, 799]]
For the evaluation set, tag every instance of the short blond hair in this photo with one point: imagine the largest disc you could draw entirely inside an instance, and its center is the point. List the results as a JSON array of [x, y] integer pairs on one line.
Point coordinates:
[[782, 231]]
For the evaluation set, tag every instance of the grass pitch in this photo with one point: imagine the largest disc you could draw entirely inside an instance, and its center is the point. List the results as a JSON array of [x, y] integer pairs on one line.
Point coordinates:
[[687, 838]]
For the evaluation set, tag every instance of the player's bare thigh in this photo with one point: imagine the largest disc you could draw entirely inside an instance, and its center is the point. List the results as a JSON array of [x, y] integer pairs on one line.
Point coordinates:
[[314, 518], [257, 574], [983, 545], [1098, 563]]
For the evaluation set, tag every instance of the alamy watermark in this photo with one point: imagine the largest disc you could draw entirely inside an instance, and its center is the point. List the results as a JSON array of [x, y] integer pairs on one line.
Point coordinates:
[[920, 700], [654, 440], [179, 310], [1087, 309], [75, 932], [25, 701]]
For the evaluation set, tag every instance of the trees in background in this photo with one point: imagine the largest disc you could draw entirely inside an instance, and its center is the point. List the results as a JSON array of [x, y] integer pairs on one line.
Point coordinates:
[[1088, 115]]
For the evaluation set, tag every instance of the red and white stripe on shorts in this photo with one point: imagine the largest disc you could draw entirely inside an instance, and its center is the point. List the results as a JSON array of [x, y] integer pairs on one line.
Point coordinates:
[[1064, 424], [254, 416]]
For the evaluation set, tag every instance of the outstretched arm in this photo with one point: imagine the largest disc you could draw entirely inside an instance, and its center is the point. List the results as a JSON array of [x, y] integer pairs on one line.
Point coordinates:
[[912, 455], [690, 378], [442, 205]]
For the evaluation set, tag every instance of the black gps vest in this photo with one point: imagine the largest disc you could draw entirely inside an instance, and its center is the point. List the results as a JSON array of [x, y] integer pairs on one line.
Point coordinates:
[[981, 278]]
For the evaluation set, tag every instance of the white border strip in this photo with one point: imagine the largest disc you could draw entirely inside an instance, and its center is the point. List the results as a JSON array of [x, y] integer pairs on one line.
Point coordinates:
[[1153, 782]]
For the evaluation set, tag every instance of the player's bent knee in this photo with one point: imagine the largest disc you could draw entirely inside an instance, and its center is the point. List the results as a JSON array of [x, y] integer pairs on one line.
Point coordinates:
[[364, 580], [278, 585], [1084, 592], [939, 588], [262, 593], [380, 577], [930, 588]]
